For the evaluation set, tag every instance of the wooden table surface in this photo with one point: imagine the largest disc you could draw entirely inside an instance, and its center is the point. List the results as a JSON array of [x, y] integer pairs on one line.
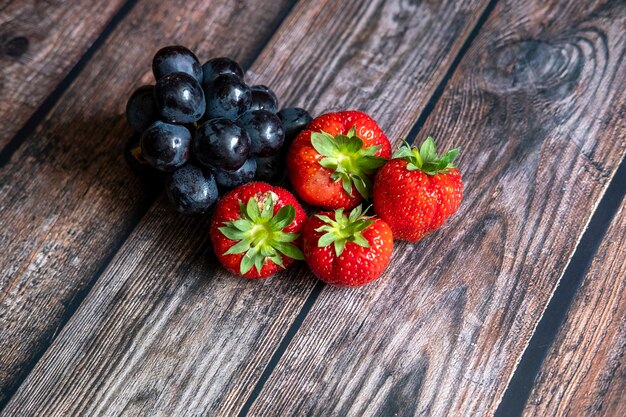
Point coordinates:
[[112, 305]]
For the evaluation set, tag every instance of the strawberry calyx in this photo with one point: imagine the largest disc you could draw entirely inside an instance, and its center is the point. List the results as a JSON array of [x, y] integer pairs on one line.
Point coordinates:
[[344, 229], [259, 234], [352, 164], [425, 158]]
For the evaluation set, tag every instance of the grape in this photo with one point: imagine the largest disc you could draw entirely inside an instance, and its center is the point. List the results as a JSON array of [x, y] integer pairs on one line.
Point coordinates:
[[221, 143], [230, 179], [176, 59], [220, 66], [191, 189], [179, 98], [262, 98], [265, 131], [141, 109], [227, 96], [295, 120], [201, 128], [165, 146]]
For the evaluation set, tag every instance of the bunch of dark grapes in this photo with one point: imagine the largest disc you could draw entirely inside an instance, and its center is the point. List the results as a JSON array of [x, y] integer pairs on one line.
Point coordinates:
[[204, 130]]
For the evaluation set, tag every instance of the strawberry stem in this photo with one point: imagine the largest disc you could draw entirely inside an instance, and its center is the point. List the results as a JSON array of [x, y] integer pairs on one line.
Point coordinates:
[[425, 158], [352, 164], [343, 229], [259, 234]]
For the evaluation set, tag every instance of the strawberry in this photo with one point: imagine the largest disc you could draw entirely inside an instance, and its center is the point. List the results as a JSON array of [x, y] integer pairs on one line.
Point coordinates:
[[347, 251], [256, 228], [332, 162], [417, 191]]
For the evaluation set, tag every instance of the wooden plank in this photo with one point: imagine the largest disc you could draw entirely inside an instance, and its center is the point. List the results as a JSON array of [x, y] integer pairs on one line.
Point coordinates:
[[537, 106], [584, 373], [166, 331], [67, 197], [39, 43]]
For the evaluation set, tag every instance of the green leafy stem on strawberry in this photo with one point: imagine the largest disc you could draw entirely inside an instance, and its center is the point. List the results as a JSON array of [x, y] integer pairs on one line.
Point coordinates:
[[425, 158], [352, 164], [259, 234], [344, 229]]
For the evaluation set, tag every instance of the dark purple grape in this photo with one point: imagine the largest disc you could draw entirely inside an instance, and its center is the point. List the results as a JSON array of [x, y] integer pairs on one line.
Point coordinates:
[[230, 179], [265, 131], [294, 121], [166, 146], [141, 108], [179, 98], [191, 189], [227, 96], [221, 143], [262, 98], [270, 168], [176, 58], [220, 66]]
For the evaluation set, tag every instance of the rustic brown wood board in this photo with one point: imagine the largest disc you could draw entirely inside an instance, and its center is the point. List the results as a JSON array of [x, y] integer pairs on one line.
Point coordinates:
[[537, 106], [40, 42], [584, 372]]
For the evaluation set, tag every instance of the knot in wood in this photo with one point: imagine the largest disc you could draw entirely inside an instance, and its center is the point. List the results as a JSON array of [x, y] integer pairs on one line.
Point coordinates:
[[533, 65], [16, 47]]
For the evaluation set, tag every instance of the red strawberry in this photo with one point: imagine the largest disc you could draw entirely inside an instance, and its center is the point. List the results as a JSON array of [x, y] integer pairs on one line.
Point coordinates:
[[347, 251], [255, 230], [332, 162], [417, 191]]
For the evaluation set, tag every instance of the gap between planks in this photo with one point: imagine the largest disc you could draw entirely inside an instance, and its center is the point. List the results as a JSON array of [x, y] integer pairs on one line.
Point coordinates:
[[584, 373], [523, 379]]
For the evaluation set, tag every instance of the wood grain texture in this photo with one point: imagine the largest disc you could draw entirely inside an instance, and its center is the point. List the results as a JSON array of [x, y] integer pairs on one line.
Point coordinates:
[[537, 106], [165, 331], [39, 43], [67, 197], [584, 373]]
